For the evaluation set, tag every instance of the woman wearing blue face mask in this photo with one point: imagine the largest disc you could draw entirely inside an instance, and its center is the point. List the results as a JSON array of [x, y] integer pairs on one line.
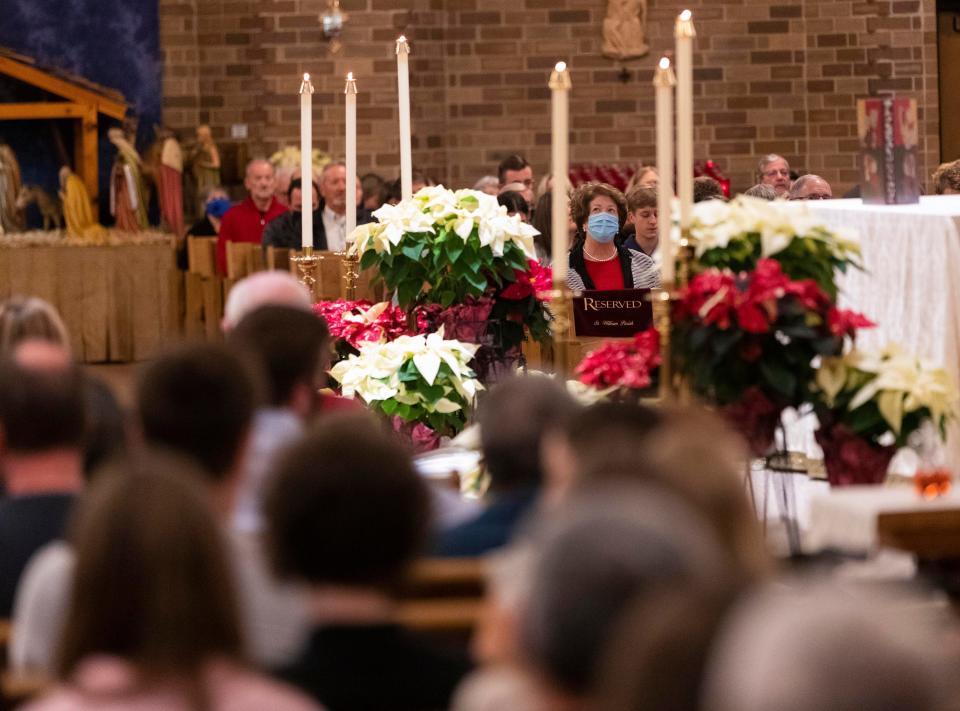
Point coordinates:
[[598, 260], [216, 202]]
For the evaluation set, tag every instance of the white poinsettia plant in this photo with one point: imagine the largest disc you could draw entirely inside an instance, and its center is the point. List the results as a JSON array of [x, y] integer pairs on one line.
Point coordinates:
[[417, 378], [890, 391], [735, 235], [441, 246]]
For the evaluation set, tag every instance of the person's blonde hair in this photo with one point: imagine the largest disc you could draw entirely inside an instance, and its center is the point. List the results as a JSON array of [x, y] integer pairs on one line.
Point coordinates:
[[637, 178], [30, 318]]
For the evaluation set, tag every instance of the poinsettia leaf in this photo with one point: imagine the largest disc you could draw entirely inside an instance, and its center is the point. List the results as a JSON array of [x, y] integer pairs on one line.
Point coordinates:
[[778, 377], [413, 251], [368, 259], [454, 249]]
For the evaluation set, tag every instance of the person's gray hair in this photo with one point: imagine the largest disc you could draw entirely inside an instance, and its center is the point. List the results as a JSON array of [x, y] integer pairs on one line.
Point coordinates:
[[271, 287], [768, 159], [825, 648], [253, 161], [762, 191], [796, 189], [487, 182], [595, 557]]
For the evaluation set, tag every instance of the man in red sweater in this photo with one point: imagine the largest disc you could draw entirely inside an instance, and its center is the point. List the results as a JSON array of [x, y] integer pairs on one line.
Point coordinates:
[[245, 222]]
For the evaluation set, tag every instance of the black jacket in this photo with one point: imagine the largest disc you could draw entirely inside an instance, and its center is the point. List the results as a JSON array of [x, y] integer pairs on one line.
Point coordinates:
[[284, 231]]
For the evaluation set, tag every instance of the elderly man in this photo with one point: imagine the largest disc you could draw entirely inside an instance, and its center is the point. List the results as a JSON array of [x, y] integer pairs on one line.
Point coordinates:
[[331, 232], [268, 288], [775, 172], [810, 187], [245, 222]]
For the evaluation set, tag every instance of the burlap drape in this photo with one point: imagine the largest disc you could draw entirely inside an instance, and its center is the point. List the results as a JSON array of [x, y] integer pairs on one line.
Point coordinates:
[[119, 302]]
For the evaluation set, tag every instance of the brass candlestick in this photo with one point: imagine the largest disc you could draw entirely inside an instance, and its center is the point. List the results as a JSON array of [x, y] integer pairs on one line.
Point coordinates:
[[660, 299], [561, 327], [307, 263], [351, 273]]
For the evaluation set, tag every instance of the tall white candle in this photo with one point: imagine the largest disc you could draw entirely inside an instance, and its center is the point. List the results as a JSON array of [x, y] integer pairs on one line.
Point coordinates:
[[306, 162], [665, 81], [684, 33], [403, 92], [350, 90], [559, 165]]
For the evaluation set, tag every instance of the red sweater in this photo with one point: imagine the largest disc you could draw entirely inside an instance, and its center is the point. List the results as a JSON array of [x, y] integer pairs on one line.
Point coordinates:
[[607, 276], [244, 223]]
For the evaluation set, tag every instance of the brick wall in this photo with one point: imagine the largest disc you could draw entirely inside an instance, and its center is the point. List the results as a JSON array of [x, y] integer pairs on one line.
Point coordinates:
[[772, 76]]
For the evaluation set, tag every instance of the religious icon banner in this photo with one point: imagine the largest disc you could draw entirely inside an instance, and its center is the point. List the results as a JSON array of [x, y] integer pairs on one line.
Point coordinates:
[[888, 151]]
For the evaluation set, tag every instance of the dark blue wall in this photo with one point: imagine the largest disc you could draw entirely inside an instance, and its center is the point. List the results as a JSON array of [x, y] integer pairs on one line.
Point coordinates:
[[115, 43]]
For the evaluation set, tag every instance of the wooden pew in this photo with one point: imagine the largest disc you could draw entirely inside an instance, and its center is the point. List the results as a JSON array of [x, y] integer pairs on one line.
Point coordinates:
[[443, 598]]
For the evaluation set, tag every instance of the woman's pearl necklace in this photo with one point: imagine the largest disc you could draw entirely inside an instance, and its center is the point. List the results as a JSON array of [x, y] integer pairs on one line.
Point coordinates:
[[599, 259]]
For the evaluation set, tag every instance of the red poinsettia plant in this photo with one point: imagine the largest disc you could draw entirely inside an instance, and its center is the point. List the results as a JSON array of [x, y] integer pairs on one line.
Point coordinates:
[[749, 342], [624, 367], [353, 323]]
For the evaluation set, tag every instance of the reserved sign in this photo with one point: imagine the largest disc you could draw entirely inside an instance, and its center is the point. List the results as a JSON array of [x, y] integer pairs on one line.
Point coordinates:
[[612, 314]]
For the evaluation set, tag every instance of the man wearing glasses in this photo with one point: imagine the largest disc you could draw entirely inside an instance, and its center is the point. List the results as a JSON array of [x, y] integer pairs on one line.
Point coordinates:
[[516, 169], [810, 187], [775, 172]]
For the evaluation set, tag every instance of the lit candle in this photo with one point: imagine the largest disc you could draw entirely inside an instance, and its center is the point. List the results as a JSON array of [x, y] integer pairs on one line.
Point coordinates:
[[351, 152], [665, 81], [403, 92], [306, 162], [684, 34], [560, 87]]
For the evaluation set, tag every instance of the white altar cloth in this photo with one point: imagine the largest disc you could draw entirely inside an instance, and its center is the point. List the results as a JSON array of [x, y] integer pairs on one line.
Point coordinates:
[[910, 286], [845, 519]]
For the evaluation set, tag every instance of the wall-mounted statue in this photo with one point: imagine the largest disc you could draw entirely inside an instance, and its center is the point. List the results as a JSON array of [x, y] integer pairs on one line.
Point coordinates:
[[624, 29]]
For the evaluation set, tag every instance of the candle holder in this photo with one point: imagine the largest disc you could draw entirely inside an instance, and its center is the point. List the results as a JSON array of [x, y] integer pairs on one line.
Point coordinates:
[[307, 263], [661, 300], [351, 273], [558, 304]]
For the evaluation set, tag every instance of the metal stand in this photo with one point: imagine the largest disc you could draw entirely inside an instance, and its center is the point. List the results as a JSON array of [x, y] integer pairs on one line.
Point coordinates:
[[307, 267], [560, 328], [351, 274]]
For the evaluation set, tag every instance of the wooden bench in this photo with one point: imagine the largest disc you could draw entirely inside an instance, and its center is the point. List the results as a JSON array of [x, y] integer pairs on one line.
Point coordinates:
[[444, 598]]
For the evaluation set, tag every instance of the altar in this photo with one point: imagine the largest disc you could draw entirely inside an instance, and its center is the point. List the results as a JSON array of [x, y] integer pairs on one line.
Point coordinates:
[[910, 284]]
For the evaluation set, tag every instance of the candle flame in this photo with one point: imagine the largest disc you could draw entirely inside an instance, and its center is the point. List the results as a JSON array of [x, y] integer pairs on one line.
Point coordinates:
[[306, 77], [349, 76], [401, 38], [561, 66], [686, 16], [664, 62]]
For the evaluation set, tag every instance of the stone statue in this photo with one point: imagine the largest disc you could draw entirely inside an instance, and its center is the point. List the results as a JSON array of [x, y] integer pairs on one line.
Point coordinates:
[[11, 216], [128, 195], [170, 181], [78, 209], [205, 160], [50, 209], [624, 29]]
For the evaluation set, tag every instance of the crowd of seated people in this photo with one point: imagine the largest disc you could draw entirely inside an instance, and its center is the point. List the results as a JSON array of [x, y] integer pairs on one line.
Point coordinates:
[[239, 537]]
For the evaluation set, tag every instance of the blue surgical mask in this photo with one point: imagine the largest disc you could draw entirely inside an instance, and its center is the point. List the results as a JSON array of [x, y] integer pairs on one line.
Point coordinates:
[[603, 226], [218, 207]]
